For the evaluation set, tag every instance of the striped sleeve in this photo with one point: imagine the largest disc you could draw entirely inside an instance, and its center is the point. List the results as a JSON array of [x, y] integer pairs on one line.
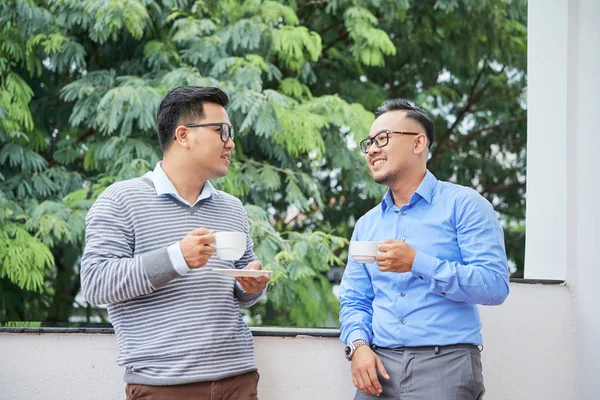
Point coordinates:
[[246, 299], [109, 271]]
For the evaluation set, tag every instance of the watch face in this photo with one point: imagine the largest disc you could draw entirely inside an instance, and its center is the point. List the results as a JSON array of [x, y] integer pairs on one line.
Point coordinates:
[[348, 350]]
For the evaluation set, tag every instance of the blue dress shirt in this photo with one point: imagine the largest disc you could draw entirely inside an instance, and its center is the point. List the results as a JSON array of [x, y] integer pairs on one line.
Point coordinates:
[[460, 262]]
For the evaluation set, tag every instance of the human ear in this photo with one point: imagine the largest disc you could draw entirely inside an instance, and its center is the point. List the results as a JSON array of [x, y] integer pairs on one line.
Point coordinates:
[[420, 144], [181, 135]]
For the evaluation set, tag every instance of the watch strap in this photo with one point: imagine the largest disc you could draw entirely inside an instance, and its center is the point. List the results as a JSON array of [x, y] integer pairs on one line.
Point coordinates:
[[354, 345]]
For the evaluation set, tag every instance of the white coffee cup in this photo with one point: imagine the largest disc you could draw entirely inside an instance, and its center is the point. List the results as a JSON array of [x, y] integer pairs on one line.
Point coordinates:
[[230, 245], [363, 251]]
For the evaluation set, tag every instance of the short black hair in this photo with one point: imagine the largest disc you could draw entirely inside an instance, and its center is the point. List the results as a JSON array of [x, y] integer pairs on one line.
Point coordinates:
[[413, 112], [184, 102]]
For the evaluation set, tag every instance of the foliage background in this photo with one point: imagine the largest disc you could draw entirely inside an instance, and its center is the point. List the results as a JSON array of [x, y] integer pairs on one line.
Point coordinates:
[[80, 81]]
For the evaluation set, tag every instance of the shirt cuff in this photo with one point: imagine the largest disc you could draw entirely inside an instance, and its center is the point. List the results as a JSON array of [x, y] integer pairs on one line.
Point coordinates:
[[237, 284], [158, 267], [357, 334], [239, 287], [423, 266], [177, 259], [247, 300]]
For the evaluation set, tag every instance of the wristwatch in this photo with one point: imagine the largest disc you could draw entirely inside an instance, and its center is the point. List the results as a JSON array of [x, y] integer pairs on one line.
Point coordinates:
[[351, 348]]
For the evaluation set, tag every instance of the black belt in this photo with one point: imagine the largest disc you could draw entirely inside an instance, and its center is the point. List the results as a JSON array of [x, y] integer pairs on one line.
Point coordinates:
[[435, 349]]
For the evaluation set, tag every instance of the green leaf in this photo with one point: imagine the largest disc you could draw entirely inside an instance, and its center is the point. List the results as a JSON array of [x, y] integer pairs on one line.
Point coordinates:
[[296, 46]]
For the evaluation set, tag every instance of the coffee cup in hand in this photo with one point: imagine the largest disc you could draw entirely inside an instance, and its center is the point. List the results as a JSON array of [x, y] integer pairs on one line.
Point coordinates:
[[230, 245], [363, 251]]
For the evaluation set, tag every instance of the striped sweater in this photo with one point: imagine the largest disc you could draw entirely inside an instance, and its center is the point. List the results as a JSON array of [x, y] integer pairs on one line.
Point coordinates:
[[171, 329]]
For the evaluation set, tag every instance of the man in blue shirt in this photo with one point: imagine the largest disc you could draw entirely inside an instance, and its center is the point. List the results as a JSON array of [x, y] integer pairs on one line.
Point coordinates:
[[411, 316]]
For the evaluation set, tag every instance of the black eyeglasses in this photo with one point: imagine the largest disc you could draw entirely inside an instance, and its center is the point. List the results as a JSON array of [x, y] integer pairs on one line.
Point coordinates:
[[225, 129], [381, 139]]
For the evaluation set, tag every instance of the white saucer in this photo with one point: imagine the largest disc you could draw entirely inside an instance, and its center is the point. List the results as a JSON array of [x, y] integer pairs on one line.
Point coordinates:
[[247, 273]]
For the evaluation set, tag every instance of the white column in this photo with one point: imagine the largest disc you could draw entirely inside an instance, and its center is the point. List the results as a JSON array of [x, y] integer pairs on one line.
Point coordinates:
[[547, 138], [584, 161], [563, 158]]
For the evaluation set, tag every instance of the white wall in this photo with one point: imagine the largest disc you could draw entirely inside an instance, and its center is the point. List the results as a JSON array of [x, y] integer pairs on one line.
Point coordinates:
[[529, 345], [563, 213], [529, 354], [583, 268], [547, 111]]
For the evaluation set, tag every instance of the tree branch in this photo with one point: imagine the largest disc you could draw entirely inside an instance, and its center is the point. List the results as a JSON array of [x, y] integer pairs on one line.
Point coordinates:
[[472, 98], [497, 188], [259, 164], [86, 135], [338, 39], [483, 107], [323, 59], [325, 30], [311, 3], [476, 132]]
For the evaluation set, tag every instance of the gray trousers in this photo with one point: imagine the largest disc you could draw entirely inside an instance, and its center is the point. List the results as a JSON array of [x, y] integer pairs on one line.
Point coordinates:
[[430, 373]]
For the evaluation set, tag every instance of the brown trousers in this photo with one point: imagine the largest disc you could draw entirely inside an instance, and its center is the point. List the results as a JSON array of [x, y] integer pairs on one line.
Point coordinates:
[[240, 387]]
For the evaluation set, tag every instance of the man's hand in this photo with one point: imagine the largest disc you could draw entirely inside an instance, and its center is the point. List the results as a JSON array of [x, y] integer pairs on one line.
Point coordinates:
[[196, 247], [395, 256], [365, 365], [253, 285]]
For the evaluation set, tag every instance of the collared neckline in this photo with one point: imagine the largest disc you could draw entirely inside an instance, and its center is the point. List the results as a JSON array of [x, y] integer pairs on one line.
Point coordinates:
[[424, 191], [164, 186]]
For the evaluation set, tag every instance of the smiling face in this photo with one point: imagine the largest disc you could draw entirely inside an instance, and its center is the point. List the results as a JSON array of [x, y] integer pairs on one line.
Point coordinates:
[[402, 154], [206, 152]]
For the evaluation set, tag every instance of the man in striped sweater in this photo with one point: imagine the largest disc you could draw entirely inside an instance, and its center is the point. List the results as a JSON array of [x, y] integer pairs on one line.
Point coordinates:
[[148, 257]]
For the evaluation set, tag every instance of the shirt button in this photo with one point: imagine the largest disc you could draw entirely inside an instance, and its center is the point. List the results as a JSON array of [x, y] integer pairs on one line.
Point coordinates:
[[403, 321], [420, 277], [402, 239], [403, 212], [443, 293], [402, 294]]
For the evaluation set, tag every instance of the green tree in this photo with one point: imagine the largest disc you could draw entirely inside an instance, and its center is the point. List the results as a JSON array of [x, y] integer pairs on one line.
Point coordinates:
[[80, 81]]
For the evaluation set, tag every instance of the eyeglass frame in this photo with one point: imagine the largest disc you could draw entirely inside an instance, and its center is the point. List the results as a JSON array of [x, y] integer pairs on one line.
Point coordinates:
[[387, 138], [230, 135]]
